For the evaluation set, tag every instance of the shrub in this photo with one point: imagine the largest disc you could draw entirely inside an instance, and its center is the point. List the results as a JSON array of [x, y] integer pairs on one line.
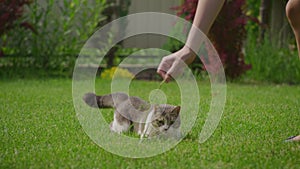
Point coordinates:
[[272, 64], [61, 29], [116, 73], [10, 11], [227, 33]]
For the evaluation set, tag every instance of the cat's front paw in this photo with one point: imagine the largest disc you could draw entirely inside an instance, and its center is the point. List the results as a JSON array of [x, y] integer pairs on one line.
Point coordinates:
[[90, 99]]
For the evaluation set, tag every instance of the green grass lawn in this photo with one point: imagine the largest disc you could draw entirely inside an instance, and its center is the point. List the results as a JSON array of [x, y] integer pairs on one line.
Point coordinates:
[[39, 129]]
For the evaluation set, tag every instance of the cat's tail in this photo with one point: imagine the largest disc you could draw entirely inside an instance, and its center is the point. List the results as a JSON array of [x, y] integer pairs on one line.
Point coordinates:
[[105, 101]]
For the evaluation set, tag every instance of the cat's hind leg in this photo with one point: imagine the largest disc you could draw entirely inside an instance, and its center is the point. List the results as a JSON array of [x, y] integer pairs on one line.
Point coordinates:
[[120, 124]]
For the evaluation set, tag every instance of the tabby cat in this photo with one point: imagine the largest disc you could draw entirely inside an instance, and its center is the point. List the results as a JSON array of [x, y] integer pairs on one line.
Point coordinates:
[[134, 113]]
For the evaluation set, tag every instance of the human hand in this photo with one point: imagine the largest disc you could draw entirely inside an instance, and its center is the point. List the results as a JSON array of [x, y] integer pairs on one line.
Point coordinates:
[[173, 64]]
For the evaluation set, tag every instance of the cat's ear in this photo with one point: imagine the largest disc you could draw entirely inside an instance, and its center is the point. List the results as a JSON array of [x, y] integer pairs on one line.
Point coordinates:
[[176, 111]]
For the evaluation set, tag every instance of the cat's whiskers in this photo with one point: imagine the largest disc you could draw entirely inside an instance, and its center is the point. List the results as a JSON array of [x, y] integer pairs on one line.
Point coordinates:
[[148, 122]]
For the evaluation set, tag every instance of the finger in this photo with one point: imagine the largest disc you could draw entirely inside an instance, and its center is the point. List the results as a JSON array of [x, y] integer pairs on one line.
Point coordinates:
[[161, 73], [168, 78], [164, 75], [166, 63], [163, 66], [177, 68]]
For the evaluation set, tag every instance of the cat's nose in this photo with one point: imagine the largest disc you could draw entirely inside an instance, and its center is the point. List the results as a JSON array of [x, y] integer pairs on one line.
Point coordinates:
[[166, 128]]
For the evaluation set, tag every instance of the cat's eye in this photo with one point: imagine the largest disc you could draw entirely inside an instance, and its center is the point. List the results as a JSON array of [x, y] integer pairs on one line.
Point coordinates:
[[161, 122]]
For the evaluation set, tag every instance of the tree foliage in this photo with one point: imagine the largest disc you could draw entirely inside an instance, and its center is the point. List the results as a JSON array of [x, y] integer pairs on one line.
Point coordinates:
[[10, 11]]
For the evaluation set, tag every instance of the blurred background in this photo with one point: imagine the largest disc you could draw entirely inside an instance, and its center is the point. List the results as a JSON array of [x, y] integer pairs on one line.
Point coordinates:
[[40, 38]]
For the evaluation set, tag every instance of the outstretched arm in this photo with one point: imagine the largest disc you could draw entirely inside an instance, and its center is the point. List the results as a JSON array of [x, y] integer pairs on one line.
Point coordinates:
[[206, 13]]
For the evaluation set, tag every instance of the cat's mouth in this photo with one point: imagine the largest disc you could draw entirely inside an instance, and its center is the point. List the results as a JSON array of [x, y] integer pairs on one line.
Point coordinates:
[[155, 131]]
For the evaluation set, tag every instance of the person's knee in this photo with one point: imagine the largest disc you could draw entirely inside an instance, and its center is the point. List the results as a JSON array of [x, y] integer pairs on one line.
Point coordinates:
[[293, 14], [293, 10]]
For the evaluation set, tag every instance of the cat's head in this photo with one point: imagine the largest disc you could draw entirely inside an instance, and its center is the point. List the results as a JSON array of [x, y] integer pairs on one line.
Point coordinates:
[[164, 118]]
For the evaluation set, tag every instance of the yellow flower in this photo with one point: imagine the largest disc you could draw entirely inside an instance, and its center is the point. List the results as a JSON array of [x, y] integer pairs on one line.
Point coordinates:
[[116, 73]]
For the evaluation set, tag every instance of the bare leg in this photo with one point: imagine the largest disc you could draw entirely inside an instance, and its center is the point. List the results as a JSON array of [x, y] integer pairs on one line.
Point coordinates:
[[293, 14]]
